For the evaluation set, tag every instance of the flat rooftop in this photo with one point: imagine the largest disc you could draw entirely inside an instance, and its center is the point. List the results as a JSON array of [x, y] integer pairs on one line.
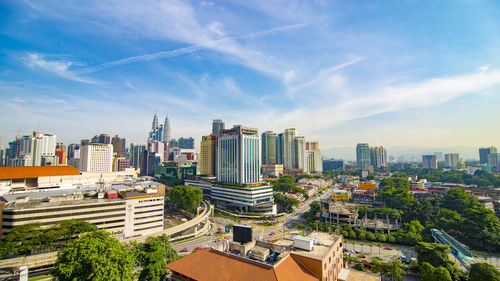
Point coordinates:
[[322, 244], [7, 173]]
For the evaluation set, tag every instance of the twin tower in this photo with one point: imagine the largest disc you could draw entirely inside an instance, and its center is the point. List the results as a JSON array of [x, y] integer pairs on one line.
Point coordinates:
[[160, 132]]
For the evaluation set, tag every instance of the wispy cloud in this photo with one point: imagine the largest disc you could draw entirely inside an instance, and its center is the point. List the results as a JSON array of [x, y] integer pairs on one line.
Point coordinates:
[[59, 68], [214, 44]]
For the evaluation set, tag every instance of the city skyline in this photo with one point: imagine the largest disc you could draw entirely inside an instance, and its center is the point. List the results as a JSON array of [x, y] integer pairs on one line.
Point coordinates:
[[340, 73]]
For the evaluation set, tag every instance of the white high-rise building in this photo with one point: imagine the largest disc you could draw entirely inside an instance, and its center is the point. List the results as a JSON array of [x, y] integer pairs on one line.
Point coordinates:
[[313, 163], [451, 160], [96, 157], [37, 147], [378, 157], [238, 156]]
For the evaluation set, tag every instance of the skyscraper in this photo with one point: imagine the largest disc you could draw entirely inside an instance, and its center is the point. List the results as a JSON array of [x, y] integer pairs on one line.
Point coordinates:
[[104, 139], [494, 162], [156, 133], [96, 157], [279, 148], [136, 152], [451, 160], [238, 157], [429, 161], [378, 157], [289, 157], [217, 127], [268, 148], [362, 155], [300, 152], [207, 155], [37, 149], [313, 163], [117, 145], [483, 153], [166, 130]]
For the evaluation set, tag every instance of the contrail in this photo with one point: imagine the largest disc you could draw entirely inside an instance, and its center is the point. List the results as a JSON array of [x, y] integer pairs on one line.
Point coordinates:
[[185, 50]]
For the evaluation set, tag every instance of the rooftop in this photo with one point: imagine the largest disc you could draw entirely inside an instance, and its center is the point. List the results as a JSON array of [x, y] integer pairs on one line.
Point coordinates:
[[224, 266], [322, 244], [37, 171]]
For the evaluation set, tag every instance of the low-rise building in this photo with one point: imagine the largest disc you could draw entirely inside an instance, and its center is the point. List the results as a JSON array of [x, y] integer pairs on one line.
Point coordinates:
[[272, 170], [260, 260], [363, 197], [253, 198], [134, 212], [340, 195]]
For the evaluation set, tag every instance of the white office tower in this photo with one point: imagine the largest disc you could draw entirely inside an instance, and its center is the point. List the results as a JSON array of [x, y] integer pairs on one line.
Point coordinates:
[[166, 130], [96, 157], [300, 152], [39, 148], [313, 163], [238, 155]]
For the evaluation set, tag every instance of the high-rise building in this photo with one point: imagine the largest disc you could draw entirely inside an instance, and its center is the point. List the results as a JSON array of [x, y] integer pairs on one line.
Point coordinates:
[[494, 162], [73, 155], [166, 130], [207, 155], [483, 153], [61, 154], [429, 161], [268, 148], [451, 160], [300, 152], [238, 157], [333, 165], [37, 149], [104, 139], [313, 163], [289, 156], [378, 157], [362, 155], [186, 143], [439, 156], [125, 148], [136, 151], [117, 146], [156, 133], [96, 157], [279, 148], [217, 127]]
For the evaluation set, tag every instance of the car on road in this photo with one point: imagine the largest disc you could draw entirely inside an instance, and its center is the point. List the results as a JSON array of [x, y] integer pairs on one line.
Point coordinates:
[[185, 250], [403, 259], [272, 233], [388, 248], [356, 251], [198, 248]]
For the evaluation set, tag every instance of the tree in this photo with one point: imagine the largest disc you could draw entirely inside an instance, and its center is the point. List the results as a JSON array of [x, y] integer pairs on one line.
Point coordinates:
[[22, 240], [94, 256], [154, 255], [379, 245], [483, 272], [411, 233], [431, 273], [187, 198], [371, 236], [458, 200], [437, 255], [394, 269]]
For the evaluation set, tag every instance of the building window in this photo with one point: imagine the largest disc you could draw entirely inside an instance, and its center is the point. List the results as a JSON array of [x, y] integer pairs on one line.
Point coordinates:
[[330, 260]]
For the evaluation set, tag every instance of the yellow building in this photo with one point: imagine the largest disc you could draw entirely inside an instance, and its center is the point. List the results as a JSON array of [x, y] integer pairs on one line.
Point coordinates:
[[340, 195], [207, 155], [367, 185]]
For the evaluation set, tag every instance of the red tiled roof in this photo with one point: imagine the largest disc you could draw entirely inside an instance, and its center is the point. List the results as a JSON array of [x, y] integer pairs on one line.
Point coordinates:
[[37, 171], [213, 265]]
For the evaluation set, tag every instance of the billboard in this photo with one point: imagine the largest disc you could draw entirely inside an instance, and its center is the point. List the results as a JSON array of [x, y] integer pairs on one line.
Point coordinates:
[[242, 234]]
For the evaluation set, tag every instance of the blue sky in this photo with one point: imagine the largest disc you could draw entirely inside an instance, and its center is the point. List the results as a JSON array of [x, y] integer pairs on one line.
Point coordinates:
[[393, 73]]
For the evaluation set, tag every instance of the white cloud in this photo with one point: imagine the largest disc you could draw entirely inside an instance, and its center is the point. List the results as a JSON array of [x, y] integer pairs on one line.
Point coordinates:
[[59, 68]]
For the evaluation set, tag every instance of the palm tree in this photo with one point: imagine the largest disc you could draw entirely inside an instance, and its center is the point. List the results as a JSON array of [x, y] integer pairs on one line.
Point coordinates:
[[379, 245], [362, 244], [353, 245], [371, 245]]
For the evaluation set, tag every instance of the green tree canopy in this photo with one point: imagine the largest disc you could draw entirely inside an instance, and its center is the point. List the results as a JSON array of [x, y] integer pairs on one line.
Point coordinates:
[[483, 272], [458, 200], [437, 255], [94, 256], [187, 198], [153, 256]]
